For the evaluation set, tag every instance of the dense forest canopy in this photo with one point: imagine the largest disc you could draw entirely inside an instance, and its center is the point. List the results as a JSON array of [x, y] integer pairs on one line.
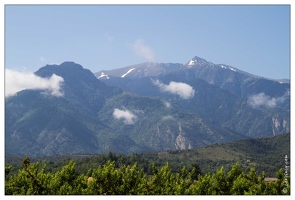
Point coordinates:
[[131, 180]]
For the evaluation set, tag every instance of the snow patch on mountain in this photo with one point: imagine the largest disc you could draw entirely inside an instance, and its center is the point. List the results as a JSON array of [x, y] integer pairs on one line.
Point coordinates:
[[191, 63], [130, 70], [103, 75], [232, 69]]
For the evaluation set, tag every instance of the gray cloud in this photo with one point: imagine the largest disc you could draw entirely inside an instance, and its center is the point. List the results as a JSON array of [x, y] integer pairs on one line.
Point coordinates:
[[184, 90], [258, 100], [143, 50], [17, 81], [126, 115]]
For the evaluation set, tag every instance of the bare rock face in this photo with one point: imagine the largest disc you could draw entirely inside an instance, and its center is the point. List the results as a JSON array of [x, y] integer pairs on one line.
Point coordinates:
[[181, 141], [280, 124]]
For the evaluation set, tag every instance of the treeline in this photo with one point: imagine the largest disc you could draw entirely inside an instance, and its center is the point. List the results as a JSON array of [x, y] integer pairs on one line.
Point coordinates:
[[106, 179], [85, 162], [265, 155]]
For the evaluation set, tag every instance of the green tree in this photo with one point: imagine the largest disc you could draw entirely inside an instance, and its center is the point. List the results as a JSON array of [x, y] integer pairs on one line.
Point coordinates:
[[131, 180]]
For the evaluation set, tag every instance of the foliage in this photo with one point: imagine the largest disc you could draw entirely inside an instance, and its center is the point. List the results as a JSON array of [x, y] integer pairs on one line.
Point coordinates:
[[266, 155], [130, 180]]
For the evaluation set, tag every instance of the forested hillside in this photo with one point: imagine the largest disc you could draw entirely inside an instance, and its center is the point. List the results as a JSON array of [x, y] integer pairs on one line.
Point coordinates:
[[265, 154]]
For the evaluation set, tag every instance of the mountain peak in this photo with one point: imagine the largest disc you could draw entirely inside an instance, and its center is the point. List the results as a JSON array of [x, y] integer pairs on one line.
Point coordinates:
[[71, 64], [67, 65], [196, 60], [69, 71]]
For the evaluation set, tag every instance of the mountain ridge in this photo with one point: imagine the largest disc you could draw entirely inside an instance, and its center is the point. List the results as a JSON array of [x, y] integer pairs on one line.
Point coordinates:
[[94, 116], [237, 95], [118, 72], [84, 120]]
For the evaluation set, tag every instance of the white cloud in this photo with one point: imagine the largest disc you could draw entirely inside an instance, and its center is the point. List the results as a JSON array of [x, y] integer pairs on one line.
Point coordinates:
[[128, 116], [16, 81], [261, 99], [184, 90], [168, 117], [167, 104], [143, 50]]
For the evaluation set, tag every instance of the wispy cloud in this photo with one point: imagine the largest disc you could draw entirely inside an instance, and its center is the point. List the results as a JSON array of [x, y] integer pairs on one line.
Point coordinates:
[[16, 81], [42, 59], [108, 37], [126, 115], [184, 90], [258, 100], [143, 50]]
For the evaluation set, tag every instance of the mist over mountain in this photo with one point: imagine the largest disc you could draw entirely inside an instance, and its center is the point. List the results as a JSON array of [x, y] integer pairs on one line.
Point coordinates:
[[144, 107]]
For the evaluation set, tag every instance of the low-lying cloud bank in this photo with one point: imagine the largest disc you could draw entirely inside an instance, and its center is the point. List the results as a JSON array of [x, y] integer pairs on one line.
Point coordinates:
[[258, 100], [128, 116], [17, 81], [184, 90]]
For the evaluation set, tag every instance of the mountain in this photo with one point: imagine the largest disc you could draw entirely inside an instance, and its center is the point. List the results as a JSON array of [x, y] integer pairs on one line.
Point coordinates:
[[250, 105], [283, 80], [224, 76], [43, 124], [145, 107], [232, 79], [92, 117], [139, 71]]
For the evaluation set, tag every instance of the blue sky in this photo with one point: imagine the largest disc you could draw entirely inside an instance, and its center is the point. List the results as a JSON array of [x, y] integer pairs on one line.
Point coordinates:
[[255, 39]]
